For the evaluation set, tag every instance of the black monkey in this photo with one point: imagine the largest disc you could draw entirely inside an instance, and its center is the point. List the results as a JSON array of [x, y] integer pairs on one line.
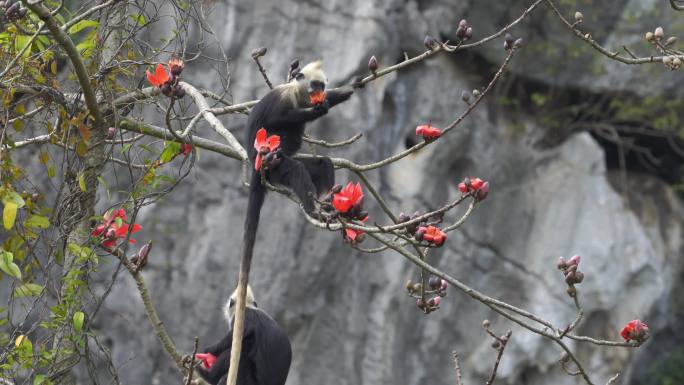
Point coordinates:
[[284, 111], [266, 351]]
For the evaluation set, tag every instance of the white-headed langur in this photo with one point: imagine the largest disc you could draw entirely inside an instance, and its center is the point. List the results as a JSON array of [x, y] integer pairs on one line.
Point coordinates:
[[266, 352], [283, 111]]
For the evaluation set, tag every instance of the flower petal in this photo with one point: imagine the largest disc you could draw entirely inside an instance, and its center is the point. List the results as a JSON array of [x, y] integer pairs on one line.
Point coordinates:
[[161, 74], [342, 203], [257, 162], [260, 139], [273, 142]]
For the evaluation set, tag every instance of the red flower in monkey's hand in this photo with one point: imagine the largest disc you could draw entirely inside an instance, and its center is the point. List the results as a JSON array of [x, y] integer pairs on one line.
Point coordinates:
[[207, 359], [428, 132], [264, 144], [186, 149], [635, 330], [317, 97], [348, 197], [160, 76]]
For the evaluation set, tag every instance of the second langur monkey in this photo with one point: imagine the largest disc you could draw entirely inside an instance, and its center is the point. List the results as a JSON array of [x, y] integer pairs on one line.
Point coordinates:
[[266, 349], [284, 111]]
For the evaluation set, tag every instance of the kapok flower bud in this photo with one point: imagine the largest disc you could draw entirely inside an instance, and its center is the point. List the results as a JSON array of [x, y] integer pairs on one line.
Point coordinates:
[[574, 260], [659, 33], [444, 285], [572, 292], [463, 188], [670, 40], [111, 132], [176, 66], [420, 304], [403, 218], [468, 33], [259, 52], [465, 96], [496, 344], [409, 286], [649, 37], [579, 17], [508, 41], [486, 324], [294, 65], [336, 188], [373, 64], [562, 264], [463, 23], [434, 301], [419, 234], [518, 43], [482, 192], [179, 91], [429, 42], [435, 283]]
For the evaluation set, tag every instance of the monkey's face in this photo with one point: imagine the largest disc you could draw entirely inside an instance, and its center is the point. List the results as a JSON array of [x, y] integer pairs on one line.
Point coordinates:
[[311, 78]]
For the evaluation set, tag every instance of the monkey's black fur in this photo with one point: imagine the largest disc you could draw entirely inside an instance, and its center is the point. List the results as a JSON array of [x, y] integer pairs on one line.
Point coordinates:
[[266, 353]]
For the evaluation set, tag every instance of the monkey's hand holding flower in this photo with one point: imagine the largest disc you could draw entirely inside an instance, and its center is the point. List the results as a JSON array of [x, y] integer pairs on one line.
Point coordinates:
[[208, 359], [268, 150]]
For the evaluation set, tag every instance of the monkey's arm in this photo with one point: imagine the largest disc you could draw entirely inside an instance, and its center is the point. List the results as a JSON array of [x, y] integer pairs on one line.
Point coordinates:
[[298, 115], [339, 95], [220, 346]]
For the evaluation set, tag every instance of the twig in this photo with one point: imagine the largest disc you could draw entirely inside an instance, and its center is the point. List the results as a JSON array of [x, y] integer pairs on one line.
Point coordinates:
[[459, 381], [192, 361], [263, 71], [333, 145], [500, 350]]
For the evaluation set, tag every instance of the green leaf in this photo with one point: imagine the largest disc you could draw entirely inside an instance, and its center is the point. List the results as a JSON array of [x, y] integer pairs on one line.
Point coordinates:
[[139, 19], [12, 196], [171, 149], [22, 41], [78, 321], [9, 214], [8, 266], [28, 290], [81, 25], [81, 182], [82, 253], [37, 222], [39, 379]]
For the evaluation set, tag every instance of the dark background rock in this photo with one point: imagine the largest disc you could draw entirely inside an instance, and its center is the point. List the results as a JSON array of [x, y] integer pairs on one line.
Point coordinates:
[[348, 315]]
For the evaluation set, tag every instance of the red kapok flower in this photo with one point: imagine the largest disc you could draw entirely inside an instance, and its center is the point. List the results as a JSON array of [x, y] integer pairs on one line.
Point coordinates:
[[352, 235], [207, 359], [160, 76], [318, 97], [264, 144], [186, 149], [476, 183], [635, 330], [348, 197], [113, 230], [109, 217], [121, 232], [433, 235], [428, 132]]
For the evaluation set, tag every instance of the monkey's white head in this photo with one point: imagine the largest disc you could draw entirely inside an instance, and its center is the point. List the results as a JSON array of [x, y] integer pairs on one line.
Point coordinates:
[[229, 308], [307, 81]]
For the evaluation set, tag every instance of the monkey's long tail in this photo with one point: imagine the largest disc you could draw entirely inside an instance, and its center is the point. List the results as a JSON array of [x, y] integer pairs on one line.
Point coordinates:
[[257, 193]]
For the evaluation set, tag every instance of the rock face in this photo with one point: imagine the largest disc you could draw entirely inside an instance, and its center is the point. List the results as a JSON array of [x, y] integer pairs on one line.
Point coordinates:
[[348, 315]]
